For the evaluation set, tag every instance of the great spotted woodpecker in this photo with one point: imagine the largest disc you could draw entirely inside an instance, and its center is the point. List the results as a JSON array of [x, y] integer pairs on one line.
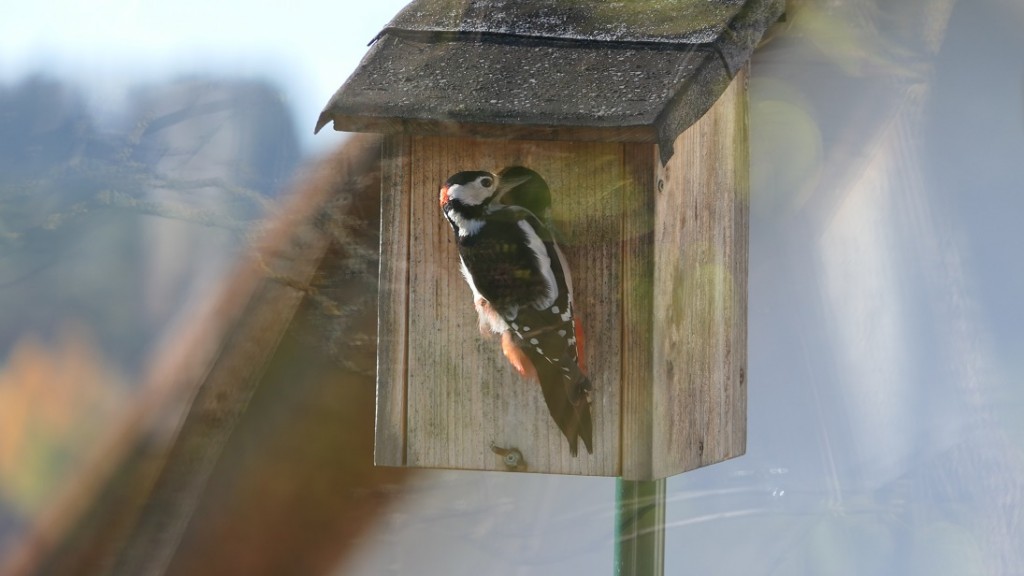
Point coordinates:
[[521, 285]]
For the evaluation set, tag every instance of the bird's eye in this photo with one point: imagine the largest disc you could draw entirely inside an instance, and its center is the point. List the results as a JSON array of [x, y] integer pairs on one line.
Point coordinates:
[[486, 182]]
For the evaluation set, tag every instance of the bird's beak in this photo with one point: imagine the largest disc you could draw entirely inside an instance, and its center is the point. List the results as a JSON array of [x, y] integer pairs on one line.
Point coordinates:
[[507, 184]]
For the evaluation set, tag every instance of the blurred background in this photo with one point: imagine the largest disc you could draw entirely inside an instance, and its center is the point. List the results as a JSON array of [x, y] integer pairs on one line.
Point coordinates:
[[148, 153]]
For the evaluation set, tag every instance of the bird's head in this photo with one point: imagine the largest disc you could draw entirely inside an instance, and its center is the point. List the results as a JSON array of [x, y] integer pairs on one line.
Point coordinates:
[[472, 191], [468, 190], [526, 188]]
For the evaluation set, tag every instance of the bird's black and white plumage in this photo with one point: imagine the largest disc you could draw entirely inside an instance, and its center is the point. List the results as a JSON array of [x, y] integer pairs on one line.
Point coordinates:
[[521, 285]]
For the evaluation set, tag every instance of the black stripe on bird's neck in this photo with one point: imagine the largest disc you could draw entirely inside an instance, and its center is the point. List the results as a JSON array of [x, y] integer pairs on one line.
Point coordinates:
[[468, 211]]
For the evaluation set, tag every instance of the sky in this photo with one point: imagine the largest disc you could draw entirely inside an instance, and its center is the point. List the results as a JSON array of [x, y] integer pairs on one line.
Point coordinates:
[[106, 46]]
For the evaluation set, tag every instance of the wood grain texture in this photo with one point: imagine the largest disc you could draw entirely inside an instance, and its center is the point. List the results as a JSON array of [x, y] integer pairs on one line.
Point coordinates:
[[659, 258], [400, 125], [700, 292], [461, 394], [392, 357], [638, 315]]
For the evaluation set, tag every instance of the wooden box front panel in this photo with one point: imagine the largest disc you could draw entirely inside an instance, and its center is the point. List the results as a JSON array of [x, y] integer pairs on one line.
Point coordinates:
[[700, 294], [445, 392], [659, 261]]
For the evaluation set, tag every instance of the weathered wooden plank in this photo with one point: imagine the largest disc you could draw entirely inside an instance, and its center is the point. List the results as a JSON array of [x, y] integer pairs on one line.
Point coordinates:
[[736, 415], [592, 175], [701, 221], [462, 394], [392, 356], [400, 125], [638, 313]]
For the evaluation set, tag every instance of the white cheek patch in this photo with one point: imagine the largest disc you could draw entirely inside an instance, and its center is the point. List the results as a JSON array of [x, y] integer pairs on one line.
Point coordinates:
[[468, 227], [469, 194], [543, 263]]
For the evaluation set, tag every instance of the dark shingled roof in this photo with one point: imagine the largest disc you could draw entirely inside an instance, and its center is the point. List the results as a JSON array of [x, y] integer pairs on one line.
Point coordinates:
[[637, 70]]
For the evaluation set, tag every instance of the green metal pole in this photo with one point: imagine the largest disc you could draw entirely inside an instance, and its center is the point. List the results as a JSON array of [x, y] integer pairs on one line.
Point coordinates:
[[639, 528]]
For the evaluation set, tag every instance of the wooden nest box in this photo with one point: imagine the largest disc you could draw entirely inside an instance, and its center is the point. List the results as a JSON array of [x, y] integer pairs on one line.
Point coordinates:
[[635, 115]]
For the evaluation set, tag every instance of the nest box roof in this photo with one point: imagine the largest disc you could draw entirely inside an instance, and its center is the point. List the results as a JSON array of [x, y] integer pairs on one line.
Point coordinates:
[[638, 70]]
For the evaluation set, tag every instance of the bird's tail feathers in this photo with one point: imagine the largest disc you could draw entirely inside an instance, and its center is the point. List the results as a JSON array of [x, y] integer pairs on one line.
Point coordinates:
[[569, 404]]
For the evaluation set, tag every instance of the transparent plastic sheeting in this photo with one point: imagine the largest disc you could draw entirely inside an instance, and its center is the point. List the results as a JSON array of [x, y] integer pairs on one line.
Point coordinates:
[[885, 432]]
